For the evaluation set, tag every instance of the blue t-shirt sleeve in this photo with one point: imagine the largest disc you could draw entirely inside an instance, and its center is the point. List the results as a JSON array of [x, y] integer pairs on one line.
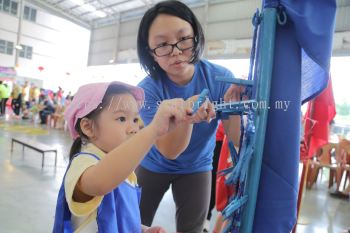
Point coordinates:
[[151, 103]]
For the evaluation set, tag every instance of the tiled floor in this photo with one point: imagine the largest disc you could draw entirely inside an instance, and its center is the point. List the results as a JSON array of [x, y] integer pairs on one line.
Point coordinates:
[[28, 192]]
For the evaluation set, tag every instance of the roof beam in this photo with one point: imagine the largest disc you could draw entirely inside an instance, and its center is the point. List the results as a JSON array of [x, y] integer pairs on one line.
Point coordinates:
[[77, 6], [60, 13], [58, 2], [107, 6]]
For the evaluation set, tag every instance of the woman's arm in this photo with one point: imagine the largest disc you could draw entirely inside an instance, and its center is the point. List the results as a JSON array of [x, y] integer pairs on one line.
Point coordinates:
[[232, 128], [233, 124]]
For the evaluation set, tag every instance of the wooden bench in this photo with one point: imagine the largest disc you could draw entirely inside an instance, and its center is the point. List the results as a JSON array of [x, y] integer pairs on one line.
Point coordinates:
[[37, 146]]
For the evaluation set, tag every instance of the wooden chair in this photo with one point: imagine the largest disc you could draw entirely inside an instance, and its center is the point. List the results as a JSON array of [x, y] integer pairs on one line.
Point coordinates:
[[347, 177], [323, 160], [343, 159]]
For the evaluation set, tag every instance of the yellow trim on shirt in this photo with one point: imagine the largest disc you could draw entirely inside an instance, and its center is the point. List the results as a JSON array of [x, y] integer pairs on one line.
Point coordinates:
[[86, 210], [77, 168]]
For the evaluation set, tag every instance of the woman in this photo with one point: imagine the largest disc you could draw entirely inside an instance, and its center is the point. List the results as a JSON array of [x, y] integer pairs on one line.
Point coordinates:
[[170, 44]]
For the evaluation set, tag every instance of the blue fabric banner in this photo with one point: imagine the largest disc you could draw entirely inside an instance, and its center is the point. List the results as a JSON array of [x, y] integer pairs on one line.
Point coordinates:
[[301, 71]]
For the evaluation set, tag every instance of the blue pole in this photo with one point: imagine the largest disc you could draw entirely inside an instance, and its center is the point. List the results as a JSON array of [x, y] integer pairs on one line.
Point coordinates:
[[264, 75]]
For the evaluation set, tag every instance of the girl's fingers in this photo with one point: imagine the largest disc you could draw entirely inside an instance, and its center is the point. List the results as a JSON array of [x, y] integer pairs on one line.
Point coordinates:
[[188, 111], [181, 111]]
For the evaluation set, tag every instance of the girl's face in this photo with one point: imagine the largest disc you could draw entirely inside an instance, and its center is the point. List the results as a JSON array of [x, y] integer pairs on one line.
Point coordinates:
[[168, 29], [117, 122]]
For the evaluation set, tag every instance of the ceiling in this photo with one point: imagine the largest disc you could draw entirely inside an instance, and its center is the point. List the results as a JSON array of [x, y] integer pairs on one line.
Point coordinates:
[[95, 13]]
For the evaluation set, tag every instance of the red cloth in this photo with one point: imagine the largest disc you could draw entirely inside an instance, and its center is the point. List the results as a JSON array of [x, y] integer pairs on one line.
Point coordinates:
[[220, 132], [320, 112], [9, 101], [59, 94], [223, 192]]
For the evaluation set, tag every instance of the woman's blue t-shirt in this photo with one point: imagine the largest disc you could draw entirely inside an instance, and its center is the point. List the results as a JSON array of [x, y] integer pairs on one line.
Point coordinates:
[[198, 155]]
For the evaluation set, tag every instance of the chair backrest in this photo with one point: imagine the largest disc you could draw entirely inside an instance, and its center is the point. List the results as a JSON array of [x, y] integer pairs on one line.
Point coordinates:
[[343, 152], [325, 153]]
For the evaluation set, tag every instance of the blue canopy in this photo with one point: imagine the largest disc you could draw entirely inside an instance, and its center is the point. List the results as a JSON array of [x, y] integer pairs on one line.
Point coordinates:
[[301, 71]]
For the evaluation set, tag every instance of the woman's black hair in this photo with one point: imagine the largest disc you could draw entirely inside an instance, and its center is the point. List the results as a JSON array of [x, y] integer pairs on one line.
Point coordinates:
[[113, 89], [174, 8]]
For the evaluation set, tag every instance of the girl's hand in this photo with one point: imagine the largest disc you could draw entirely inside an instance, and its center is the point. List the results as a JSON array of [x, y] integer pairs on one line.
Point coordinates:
[[206, 112], [170, 114], [233, 93], [154, 230]]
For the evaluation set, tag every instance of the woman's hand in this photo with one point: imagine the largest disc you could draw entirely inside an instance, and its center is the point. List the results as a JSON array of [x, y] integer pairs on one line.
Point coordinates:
[[233, 93], [206, 112]]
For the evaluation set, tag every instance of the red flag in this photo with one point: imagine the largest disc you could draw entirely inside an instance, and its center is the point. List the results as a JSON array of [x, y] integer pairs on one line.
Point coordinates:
[[320, 112]]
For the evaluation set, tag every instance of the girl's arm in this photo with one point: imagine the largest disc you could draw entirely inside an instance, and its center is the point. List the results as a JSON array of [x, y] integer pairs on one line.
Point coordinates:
[[155, 229], [119, 163], [174, 143]]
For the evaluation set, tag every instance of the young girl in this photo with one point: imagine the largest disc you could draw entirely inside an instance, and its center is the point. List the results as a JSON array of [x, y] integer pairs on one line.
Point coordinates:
[[99, 192]]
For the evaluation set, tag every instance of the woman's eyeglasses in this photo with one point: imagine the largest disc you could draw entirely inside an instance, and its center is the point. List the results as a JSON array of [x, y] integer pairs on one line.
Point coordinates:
[[182, 45]]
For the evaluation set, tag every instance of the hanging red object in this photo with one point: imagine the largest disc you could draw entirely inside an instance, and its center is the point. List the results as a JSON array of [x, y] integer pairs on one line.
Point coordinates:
[[40, 68], [223, 191], [321, 111]]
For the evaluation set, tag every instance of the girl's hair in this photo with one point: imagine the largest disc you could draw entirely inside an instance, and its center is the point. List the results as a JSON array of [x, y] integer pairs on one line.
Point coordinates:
[[174, 8], [113, 89]]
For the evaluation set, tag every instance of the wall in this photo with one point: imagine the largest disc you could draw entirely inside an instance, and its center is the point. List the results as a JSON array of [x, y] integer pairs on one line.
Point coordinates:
[[59, 46], [228, 32]]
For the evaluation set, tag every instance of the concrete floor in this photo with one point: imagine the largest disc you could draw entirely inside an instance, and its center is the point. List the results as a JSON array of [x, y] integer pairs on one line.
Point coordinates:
[[28, 193]]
